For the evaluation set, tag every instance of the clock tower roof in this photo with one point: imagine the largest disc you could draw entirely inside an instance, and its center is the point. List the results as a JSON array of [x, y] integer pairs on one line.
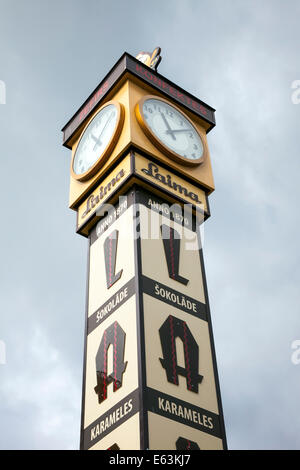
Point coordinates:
[[129, 65]]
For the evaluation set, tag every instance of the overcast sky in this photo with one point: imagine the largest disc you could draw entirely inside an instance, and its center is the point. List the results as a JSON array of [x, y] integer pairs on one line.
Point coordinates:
[[240, 57]]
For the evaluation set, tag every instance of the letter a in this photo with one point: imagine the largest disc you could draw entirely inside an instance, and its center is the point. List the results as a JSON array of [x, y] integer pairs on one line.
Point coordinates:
[[186, 444], [113, 335], [171, 329]]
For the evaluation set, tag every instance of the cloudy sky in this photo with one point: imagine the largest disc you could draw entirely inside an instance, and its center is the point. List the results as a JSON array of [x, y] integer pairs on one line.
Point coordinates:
[[242, 58]]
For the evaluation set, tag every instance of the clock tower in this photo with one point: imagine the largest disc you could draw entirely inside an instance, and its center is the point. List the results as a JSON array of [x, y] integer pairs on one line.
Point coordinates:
[[140, 178]]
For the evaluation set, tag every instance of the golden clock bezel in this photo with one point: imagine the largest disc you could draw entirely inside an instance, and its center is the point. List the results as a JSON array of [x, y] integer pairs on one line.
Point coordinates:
[[156, 141], [103, 157]]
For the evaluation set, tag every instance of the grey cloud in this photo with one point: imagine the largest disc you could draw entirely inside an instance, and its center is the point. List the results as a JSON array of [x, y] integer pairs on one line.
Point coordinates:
[[240, 57]]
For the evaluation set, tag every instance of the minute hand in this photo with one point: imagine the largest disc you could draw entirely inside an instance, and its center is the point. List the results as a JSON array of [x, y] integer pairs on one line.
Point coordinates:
[[169, 131], [97, 140], [178, 130]]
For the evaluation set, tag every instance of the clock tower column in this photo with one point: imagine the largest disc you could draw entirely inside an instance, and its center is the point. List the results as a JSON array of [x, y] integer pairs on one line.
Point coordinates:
[[140, 181]]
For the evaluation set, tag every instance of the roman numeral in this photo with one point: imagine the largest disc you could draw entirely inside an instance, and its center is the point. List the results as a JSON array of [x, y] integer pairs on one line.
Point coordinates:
[[110, 255], [171, 241], [171, 329]]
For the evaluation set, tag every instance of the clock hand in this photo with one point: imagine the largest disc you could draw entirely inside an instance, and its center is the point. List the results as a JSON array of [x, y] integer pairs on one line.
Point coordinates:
[[110, 116], [178, 130], [97, 140], [169, 131]]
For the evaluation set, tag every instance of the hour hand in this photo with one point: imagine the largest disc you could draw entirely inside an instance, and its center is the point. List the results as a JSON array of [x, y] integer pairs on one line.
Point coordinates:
[[178, 130], [169, 131], [97, 140]]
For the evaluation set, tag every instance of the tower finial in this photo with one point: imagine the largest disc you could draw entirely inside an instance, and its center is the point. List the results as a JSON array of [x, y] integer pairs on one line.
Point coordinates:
[[151, 59]]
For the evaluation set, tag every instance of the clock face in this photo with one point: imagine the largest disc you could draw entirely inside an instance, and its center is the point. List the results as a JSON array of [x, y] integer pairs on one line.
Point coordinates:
[[172, 130], [96, 141]]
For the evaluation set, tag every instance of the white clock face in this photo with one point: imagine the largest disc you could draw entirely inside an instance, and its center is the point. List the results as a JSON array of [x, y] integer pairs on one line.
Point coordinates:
[[173, 129], [95, 139]]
